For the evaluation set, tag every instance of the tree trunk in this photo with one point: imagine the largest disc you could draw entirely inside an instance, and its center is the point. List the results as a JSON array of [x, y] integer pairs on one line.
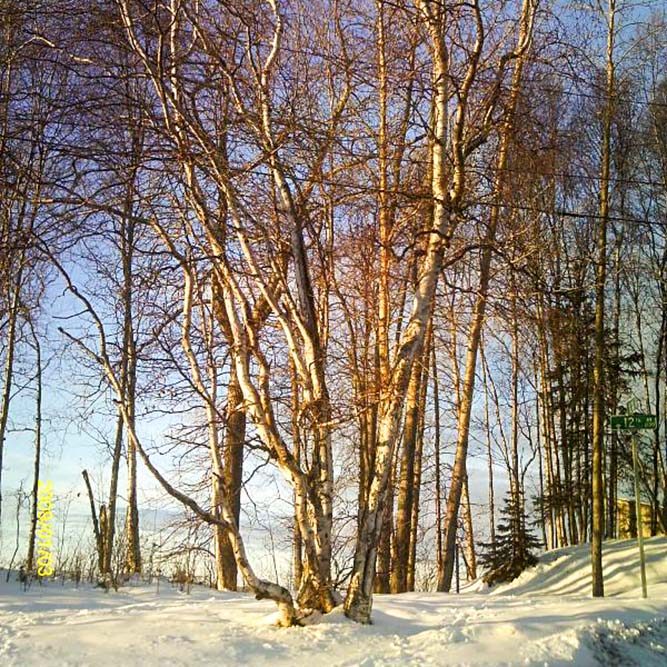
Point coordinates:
[[419, 451], [233, 473], [469, 549], [438, 477], [489, 453], [297, 542], [465, 405], [99, 538], [113, 496], [8, 376], [612, 477], [406, 489], [597, 487], [129, 381], [38, 451], [383, 570]]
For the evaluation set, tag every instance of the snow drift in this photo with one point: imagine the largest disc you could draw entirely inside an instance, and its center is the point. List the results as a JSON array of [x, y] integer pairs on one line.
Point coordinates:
[[546, 617]]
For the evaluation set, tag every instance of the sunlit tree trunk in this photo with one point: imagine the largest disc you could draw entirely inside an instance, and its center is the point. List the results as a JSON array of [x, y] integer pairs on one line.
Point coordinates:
[[234, 443], [419, 452], [358, 602], [479, 309], [597, 487], [407, 476]]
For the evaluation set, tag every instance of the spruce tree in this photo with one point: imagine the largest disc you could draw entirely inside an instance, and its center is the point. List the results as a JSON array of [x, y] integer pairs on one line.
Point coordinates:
[[512, 551]]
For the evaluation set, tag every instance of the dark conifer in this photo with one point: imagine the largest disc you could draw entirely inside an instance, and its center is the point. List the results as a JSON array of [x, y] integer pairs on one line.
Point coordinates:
[[512, 551]]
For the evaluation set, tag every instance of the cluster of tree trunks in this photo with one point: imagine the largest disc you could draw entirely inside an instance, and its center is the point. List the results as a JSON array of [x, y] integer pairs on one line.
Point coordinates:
[[249, 198]]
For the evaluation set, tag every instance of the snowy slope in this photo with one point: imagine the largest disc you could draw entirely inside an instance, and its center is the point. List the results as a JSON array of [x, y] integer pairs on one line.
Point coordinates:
[[545, 618], [567, 571]]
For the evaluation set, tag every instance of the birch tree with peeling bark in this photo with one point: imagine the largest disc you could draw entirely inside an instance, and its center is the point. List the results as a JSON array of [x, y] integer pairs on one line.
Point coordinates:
[[295, 309], [447, 188], [262, 588]]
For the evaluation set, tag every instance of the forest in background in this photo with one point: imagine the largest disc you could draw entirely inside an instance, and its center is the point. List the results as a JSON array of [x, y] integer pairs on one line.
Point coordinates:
[[349, 245]]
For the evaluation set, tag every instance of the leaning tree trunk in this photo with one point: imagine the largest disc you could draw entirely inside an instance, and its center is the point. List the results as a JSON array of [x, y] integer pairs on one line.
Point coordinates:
[[99, 537], [113, 497]]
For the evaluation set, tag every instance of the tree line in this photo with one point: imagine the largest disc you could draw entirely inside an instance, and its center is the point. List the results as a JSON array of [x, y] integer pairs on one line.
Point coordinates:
[[362, 243]]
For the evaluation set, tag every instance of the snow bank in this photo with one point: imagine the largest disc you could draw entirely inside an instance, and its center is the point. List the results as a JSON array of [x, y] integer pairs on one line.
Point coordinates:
[[545, 618], [568, 571]]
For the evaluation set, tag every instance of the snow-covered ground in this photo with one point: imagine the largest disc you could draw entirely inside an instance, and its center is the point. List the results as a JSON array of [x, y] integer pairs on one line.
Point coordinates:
[[546, 617]]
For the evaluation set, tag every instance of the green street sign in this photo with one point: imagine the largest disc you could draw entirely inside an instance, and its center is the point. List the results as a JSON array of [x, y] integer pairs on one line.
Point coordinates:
[[634, 422]]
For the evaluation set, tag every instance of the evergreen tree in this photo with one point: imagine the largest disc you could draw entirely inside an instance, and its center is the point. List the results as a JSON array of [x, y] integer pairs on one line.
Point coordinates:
[[512, 551]]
